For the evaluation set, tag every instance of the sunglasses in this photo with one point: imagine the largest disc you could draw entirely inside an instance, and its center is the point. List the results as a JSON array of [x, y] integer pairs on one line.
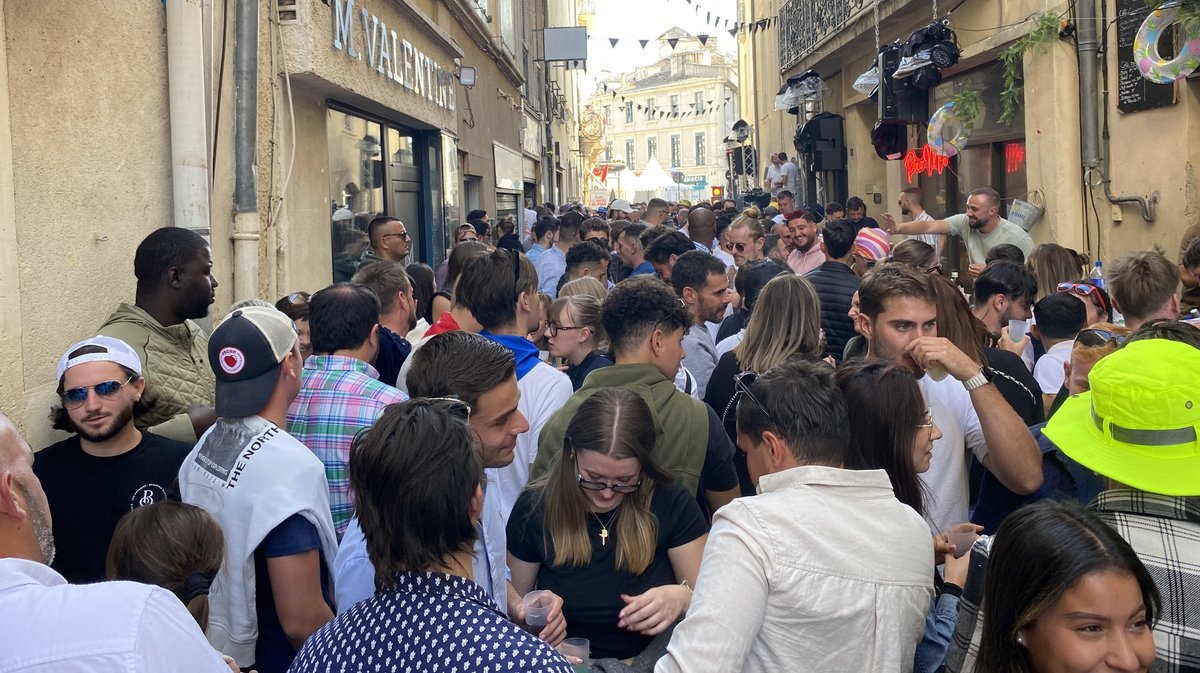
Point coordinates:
[[452, 404], [1096, 338], [742, 383], [1084, 290], [403, 234], [105, 389]]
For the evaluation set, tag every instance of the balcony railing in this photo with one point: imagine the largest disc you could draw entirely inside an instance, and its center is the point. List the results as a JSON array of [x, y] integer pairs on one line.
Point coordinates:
[[804, 25]]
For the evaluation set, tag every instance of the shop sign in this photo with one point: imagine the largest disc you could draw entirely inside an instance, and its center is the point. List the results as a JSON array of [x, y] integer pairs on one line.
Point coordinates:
[[391, 56], [696, 181], [927, 162]]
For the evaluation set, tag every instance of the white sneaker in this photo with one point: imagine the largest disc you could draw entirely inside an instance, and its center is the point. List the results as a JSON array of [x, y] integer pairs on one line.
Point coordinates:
[[911, 64], [867, 81]]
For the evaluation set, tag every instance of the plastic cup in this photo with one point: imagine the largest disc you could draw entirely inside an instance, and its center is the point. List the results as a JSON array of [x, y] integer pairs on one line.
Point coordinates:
[[936, 371], [961, 539], [1017, 329], [537, 607], [580, 648]]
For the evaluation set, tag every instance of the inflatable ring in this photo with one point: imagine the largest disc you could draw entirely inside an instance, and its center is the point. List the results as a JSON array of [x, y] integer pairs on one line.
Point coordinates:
[[942, 146], [1145, 49]]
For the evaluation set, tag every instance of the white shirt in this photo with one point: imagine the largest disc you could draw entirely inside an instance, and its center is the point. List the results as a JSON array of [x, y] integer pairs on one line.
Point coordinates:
[[790, 175], [936, 240], [946, 481], [824, 570], [1048, 370], [729, 343], [49, 626], [773, 175]]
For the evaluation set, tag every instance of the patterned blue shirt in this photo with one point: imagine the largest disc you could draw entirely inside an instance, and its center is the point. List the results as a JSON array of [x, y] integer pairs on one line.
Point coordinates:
[[427, 623]]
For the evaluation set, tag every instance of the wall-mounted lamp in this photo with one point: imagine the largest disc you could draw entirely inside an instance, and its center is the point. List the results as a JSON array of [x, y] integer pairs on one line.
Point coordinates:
[[466, 75]]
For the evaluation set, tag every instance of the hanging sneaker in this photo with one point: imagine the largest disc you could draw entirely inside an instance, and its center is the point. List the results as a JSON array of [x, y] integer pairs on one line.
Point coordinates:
[[911, 64], [867, 81]]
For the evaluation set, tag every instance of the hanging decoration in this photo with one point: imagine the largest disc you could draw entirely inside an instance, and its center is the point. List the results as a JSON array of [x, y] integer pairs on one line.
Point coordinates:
[[614, 40], [706, 108], [947, 132], [672, 41], [1145, 48]]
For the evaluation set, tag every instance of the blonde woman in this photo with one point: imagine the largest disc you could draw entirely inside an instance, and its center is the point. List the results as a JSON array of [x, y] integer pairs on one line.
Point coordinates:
[[609, 531], [1054, 264], [574, 333], [586, 286], [786, 323]]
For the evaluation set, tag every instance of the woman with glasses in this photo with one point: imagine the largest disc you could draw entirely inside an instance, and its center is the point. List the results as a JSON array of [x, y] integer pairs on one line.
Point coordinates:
[[785, 323], [575, 334], [295, 306], [917, 253], [1053, 264], [892, 429], [610, 532], [1095, 299]]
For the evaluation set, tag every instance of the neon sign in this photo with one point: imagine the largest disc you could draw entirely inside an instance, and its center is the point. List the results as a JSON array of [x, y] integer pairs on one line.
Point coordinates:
[[1014, 157], [926, 162]]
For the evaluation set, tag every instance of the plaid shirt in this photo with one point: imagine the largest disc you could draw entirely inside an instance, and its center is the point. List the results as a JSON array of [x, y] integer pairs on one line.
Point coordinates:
[[1165, 532], [339, 396]]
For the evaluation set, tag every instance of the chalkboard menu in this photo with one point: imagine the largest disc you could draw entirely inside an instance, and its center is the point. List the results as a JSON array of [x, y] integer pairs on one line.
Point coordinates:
[[1134, 92]]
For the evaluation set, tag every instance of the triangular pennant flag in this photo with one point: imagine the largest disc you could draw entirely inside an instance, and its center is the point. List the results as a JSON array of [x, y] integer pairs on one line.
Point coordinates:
[[703, 40], [710, 102], [728, 98], [709, 19], [614, 40], [672, 41], [639, 108], [733, 32], [697, 10], [753, 28], [766, 23], [643, 43]]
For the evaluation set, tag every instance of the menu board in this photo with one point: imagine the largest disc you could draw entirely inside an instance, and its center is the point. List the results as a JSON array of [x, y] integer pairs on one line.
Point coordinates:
[[1134, 92]]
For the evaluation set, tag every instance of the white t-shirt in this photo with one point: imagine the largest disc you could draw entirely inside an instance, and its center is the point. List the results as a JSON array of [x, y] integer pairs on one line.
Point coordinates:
[[936, 240], [1048, 370], [946, 481], [730, 342], [774, 174], [790, 175]]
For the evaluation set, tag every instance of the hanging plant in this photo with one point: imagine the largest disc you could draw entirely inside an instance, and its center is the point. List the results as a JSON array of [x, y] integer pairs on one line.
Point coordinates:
[[966, 107], [1045, 29]]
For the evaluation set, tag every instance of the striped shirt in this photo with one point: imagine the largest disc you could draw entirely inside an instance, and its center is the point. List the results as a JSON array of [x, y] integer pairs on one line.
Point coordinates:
[[339, 396]]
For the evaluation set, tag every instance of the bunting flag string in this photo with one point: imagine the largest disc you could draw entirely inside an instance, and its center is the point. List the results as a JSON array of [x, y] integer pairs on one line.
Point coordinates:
[[664, 113]]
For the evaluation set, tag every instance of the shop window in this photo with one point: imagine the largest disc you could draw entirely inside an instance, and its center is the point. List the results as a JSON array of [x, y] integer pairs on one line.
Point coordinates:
[[355, 187]]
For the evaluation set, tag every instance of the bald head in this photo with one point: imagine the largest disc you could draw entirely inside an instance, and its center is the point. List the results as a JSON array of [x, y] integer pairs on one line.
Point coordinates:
[[25, 530], [702, 226]]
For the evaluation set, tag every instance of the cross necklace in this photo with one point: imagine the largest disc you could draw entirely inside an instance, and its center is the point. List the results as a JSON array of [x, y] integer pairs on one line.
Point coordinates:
[[604, 527]]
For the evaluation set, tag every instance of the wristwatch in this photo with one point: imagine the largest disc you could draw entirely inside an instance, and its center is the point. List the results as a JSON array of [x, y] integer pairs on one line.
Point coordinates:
[[980, 379]]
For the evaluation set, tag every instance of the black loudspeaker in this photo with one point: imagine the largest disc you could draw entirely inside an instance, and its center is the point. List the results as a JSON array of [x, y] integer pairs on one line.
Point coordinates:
[[822, 143], [745, 160], [899, 98]]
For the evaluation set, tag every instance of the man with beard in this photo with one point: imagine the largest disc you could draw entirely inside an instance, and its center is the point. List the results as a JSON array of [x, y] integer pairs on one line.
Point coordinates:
[[109, 466], [805, 254], [981, 228], [175, 287], [51, 626], [898, 318], [912, 208], [700, 281]]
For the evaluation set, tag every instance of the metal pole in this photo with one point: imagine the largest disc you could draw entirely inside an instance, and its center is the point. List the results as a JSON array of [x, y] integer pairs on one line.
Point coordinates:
[[1089, 119], [245, 149]]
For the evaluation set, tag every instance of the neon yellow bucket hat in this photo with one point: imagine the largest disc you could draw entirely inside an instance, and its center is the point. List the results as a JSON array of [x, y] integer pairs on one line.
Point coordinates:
[[1140, 422]]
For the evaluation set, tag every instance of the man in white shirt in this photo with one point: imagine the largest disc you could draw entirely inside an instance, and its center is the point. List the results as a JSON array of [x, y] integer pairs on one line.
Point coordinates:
[[911, 206], [822, 570], [774, 175], [48, 626], [898, 318], [1059, 316], [789, 174], [981, 228]]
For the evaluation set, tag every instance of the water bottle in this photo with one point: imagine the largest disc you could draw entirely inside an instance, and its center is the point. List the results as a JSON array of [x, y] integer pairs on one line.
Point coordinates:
[[1097, 275]]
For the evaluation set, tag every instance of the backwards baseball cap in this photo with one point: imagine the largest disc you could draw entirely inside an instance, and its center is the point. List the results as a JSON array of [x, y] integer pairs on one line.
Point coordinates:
[[244, 352], [343, 215], [621, 205], [113, 350], [1139, 423], [872, 245]]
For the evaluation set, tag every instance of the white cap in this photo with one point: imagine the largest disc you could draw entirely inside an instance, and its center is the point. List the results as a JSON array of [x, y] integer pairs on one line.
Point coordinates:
[[342, 214], [621, 205], [115, 350]]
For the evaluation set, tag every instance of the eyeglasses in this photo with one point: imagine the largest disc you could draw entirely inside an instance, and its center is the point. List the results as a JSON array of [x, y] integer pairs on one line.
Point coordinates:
[[742, 383], [554, 328], [1084, 290], [298, 298], [1096, 338], [936, 268], [928, 420], [75, 397], [600, 485]]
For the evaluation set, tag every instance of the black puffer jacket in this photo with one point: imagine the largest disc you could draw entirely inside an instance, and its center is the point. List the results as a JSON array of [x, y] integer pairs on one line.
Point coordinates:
[[835, 284]]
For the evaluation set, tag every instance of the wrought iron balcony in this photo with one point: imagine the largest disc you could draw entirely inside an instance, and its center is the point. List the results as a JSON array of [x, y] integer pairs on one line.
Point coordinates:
[[804, 25]]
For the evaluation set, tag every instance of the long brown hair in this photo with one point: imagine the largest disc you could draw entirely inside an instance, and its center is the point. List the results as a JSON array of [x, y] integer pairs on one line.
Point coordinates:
[[786, 321], [174, 545], [956, 322], [615, 422]]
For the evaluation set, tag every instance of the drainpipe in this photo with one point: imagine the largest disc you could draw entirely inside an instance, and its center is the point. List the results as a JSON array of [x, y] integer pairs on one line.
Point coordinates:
[[548, 155], [1094, 176], [189, 131], [246, 224]]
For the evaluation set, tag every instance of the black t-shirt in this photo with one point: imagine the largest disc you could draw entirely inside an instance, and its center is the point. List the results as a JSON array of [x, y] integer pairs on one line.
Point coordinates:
[[718, 473], [273, 651], [717, 396], [594, 360], [393, 351], [592, 594], [89, 494], [1018, 386]]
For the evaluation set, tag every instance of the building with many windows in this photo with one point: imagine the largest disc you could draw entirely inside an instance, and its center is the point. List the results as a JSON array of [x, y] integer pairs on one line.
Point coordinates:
[[678, 110]]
